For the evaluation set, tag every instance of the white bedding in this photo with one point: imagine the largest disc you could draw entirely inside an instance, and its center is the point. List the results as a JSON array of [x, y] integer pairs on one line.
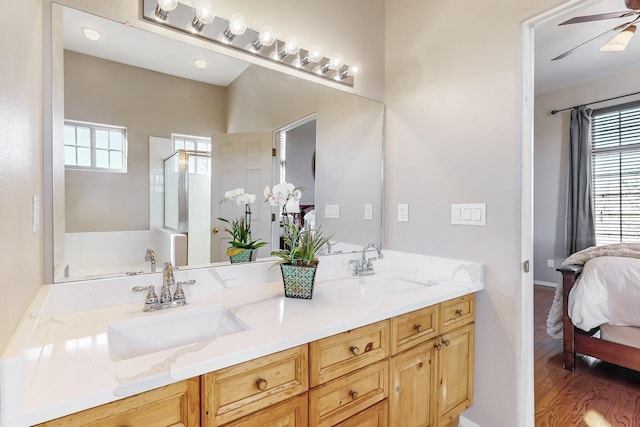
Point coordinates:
[[621, 250], [607, 291]]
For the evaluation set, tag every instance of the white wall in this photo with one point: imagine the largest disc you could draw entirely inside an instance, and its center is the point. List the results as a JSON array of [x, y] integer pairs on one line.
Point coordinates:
[[21, 158], [453, 84], [552, 155]]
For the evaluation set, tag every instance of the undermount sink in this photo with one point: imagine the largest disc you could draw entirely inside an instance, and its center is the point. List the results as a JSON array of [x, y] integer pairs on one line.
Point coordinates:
[[164, 330], [397, 283]]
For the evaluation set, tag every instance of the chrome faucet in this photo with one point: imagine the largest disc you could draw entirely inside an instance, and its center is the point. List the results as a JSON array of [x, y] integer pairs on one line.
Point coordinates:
[[166, 300], [167, 282], [151, 256], [363, 266]]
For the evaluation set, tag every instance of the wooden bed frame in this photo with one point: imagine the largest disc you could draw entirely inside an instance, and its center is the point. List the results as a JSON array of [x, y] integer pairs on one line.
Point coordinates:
[[578, 341]]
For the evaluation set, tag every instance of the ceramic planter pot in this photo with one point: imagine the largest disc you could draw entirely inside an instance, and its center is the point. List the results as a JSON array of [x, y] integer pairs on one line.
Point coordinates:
[[298, 280], [244, 255]]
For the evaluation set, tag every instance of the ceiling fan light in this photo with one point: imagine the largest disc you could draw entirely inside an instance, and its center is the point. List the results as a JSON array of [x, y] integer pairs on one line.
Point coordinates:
[[620, 41]]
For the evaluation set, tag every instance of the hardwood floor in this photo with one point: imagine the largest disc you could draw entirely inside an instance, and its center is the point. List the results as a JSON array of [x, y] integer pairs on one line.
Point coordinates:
[[596, 394]]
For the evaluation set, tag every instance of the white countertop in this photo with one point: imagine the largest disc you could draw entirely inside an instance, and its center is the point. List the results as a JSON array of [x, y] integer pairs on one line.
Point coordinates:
[[59, 360]]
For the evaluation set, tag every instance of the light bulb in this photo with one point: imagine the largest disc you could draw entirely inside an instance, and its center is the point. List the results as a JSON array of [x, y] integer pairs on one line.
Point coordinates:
[[620, 41], [315, 53], [267, 36], [336, 62], [204, 14], [291, 45], [90, 33], [164, 7], [168, 5], [355, 68], [237, 24]]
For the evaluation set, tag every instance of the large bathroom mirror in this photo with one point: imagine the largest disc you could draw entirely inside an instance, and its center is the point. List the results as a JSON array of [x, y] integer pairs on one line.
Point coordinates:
[[237, 119]]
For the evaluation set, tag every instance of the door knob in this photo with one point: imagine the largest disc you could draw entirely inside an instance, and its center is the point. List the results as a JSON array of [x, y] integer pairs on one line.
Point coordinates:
[[214, 230]]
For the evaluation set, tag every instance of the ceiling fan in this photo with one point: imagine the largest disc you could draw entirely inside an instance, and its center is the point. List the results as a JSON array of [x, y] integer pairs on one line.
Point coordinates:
[[624, 31]]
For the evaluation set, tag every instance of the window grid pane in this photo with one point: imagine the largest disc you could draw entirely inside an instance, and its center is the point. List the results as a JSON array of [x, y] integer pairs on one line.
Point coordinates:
[[616, 175], [89, 146]]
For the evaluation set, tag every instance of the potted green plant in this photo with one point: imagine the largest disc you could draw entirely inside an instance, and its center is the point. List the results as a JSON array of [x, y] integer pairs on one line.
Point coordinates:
[[242, 247], [299, 255], [299, 259]]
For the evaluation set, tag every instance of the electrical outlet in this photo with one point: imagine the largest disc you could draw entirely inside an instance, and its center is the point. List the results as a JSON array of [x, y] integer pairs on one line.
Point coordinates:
[[550, 263], [368, 212], [403, 212]]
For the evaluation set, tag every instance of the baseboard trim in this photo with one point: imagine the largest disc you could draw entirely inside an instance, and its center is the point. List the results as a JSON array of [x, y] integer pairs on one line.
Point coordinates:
[[465, 422], [548, 284]]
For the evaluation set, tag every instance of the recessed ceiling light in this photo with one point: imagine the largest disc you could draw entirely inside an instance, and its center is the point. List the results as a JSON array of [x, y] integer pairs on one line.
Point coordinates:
[[200, 63], [90, 33]]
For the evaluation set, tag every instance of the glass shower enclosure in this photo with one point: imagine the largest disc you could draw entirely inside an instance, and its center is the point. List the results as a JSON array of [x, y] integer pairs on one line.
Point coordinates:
[[187, 201]]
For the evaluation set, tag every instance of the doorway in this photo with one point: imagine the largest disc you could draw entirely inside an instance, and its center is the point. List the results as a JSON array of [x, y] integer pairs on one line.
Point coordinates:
[[526, 378]]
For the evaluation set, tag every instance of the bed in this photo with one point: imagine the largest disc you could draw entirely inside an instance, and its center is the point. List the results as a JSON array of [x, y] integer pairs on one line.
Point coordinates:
[[598, 296]]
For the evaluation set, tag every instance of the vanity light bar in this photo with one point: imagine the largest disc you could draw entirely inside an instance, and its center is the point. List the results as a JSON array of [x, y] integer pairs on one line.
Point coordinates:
[[285, 52]]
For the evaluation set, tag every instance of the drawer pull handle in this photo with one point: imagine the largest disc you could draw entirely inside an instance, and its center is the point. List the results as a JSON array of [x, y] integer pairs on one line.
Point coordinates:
[[353, 394], [261, 383], [437, 346], [417, 327], [445, 342], [459, 312], [354, 350]]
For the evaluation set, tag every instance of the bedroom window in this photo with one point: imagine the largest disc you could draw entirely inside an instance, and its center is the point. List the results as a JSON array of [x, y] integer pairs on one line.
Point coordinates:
[[616, 173], [91, 146]]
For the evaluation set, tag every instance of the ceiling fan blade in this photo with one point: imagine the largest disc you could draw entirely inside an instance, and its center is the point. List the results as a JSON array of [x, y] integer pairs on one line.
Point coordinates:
[[612, 30], [598, 17]]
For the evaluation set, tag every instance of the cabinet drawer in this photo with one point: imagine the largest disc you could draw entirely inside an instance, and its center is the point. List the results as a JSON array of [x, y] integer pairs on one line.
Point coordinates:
[[457, 312], [341, 398], [411, 329], [291, 413], [375, 416], [340, 354], [234, 392], [173, 405]]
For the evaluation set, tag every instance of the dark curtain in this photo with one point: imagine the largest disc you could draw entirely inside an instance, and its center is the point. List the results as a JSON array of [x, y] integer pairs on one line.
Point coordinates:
[[580, 223]]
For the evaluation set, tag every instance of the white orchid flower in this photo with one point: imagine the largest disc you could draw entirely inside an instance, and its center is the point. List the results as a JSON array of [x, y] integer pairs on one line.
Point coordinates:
[[245, 199], [239, 195]]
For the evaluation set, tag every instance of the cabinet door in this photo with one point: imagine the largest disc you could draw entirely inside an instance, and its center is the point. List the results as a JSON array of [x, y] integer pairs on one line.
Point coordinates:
[[175, 405], [412, 396], [291, 413], [455, 372]]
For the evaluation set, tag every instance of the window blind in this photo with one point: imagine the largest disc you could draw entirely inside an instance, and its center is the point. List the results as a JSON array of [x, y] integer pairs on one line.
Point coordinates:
[[615, 155]]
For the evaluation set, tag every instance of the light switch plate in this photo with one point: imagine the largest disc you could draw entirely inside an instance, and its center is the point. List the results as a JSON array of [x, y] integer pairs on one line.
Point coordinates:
[[469, 214], [332, 211], [403, 212]]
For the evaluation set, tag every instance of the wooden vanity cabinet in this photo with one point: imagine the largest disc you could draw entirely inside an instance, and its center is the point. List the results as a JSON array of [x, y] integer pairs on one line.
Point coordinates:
[[412, 370], [175, 405], [431, 367]]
